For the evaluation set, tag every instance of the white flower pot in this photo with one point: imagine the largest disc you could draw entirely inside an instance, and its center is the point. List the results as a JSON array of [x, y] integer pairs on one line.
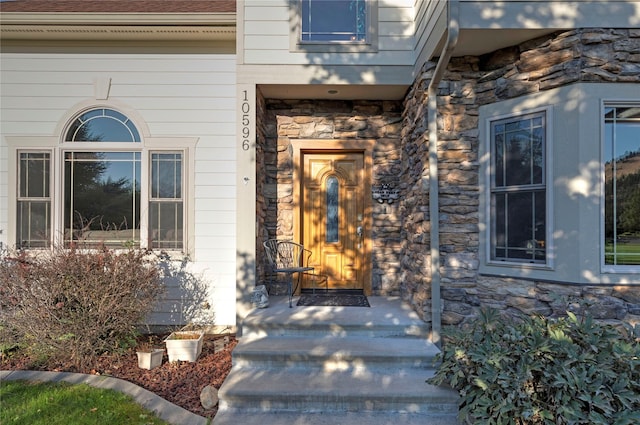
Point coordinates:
[[150, 359], [184, 346]]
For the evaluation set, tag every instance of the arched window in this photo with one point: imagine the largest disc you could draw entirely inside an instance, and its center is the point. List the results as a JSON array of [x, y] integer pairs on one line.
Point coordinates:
[[106, 197], [102, 188], [102, 125]]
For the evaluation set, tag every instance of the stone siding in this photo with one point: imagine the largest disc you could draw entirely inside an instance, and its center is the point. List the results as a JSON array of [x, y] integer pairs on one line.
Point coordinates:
[[401, 244], [563, 58], [261, 202]]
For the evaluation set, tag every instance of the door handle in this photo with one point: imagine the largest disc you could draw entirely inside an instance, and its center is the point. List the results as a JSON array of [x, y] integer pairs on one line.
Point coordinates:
[[359, 232]]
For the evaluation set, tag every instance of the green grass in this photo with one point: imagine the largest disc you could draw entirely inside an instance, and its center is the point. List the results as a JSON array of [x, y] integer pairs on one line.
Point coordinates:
[[65, 404]]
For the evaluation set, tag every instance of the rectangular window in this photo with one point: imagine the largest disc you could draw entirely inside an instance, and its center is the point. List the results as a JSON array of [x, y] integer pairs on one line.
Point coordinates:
[[166, 201], [102, 198], [34, 200], [518, 189], [622, 185], [334, 21]]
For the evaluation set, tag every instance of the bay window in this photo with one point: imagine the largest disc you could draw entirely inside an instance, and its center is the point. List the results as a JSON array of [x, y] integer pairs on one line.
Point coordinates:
[[621, 186], [561, 185]]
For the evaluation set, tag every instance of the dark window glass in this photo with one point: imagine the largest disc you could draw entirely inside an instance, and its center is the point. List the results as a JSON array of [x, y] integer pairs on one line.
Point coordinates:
[[33, 227], [102, 198], [102, 125], [518, 192], [334, 20], [333, 222], [165, 203]]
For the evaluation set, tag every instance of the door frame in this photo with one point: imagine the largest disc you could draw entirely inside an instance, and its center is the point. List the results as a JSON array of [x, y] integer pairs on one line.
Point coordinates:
[[301, 147]]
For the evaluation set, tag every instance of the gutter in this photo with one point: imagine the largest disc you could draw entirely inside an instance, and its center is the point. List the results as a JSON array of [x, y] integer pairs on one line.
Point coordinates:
[[432, 122], [118, 18], [117, 33], [76, 26]]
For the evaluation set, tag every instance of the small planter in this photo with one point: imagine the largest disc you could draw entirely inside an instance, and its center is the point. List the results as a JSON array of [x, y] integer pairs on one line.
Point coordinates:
[[150, 359], [184, 346]]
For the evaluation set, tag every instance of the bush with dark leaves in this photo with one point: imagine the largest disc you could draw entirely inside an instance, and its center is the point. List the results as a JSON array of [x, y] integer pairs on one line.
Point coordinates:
[[570, 370]]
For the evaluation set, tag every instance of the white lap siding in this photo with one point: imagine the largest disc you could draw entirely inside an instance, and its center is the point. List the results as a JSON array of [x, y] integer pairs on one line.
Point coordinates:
[[175, 95]]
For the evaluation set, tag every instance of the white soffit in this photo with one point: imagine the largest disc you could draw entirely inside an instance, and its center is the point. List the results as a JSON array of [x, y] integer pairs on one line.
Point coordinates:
[[333, 91]]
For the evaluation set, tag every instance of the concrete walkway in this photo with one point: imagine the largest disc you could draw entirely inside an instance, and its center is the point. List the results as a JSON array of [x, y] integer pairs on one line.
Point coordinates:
[[150, 401]]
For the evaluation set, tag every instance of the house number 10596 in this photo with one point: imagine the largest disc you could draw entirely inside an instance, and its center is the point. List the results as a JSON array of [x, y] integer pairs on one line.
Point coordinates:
[[245, 107]]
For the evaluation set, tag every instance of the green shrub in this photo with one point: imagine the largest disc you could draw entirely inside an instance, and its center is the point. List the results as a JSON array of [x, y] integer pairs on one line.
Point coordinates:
[[70, 305], [570, 370]]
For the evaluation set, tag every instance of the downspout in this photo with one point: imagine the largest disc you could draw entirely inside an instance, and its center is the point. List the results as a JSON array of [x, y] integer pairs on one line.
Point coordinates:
[[434, 213]]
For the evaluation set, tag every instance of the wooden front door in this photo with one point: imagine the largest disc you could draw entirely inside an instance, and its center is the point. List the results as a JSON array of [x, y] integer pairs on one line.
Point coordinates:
[[333, 218]]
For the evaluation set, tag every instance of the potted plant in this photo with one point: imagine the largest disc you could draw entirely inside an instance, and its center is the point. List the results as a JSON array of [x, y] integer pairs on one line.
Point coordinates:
[[149, 357], [184, 345]]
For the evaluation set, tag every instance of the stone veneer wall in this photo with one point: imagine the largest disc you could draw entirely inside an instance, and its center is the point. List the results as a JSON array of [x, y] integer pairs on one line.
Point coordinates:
[[261, 202], [330, 120], [587, 55]]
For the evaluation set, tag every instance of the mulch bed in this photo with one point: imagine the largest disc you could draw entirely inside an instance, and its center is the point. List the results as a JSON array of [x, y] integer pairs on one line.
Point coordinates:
[[178, 382]]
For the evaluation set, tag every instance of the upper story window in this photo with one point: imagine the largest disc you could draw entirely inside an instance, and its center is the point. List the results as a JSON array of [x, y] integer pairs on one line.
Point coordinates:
[[114, 192], [621, 186], [335, 26], [518, 189], [334, 21]]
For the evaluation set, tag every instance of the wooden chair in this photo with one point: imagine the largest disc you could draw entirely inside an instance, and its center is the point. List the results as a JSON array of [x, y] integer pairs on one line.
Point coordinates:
[[289, 258]]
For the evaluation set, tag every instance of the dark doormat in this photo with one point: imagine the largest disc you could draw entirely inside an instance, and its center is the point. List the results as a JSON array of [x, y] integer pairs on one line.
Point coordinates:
[[334, 300]]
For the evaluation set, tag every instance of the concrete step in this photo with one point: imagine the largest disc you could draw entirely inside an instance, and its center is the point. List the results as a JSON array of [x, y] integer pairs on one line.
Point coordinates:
[[290, 390], [331, 418], [329, 353], [334, 365], [387, 317], [337, 331]]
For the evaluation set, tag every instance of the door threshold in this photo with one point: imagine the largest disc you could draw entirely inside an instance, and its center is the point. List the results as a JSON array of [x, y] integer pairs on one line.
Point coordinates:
[[333, 291]]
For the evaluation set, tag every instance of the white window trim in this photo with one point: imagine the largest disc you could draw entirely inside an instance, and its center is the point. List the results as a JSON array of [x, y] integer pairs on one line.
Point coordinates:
[[17, 144], [609, 268], [14, 153], [56, 146], [368, 46], [489, 172]]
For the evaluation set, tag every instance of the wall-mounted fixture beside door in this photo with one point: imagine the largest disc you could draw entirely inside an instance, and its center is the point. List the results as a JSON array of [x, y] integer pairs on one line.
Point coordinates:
[[385, 193]]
